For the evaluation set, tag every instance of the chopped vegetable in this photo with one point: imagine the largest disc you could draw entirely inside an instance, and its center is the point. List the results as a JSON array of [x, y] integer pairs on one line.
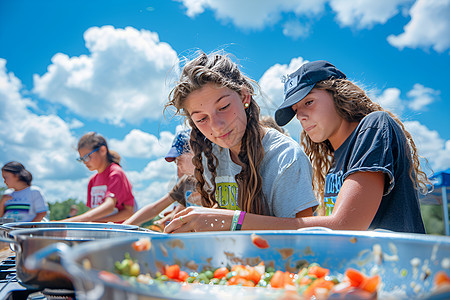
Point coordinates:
[[259, 241], [142, 245]]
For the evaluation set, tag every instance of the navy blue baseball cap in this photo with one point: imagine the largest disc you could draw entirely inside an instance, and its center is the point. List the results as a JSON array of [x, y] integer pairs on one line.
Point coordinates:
[[180, 145], [300, 83]]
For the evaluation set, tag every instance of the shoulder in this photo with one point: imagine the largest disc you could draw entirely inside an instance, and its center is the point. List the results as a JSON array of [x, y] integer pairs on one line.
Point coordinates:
[[35, 189], [115, 170], [377, 119], [281, 149]]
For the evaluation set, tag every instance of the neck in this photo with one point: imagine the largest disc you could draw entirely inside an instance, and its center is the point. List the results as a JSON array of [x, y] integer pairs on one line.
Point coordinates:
[[103, 167], [21, 186], [342, 134]]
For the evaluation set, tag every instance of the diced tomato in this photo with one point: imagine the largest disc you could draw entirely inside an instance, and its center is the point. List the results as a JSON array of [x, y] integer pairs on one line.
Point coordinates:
[[183, 276], [277, 280], [318, 271], [173, 271], [221, 272], [355, 277], [319, 283], [142, 245], [108, 276], [253, 275], [370, 284], [259, 241], [441, 278]]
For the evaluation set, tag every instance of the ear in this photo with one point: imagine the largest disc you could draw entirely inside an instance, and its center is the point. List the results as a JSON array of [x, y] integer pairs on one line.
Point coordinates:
[[246, 97], [103, 150]]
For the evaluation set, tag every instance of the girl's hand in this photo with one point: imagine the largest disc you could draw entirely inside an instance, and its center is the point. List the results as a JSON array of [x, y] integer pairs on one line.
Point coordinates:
[[200, 219], [5, 198]]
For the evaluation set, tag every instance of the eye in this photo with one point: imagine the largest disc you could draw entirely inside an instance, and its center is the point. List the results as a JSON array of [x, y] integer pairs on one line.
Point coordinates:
[[202, 120], [308, 102], [224, 107]]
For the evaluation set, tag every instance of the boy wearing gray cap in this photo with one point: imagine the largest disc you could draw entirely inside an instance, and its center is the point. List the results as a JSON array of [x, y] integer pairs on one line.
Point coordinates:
[[184, 192], [366, 167]]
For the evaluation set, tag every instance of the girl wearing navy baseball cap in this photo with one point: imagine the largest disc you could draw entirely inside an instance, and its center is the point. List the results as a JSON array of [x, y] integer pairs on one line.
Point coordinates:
[[366, 166]]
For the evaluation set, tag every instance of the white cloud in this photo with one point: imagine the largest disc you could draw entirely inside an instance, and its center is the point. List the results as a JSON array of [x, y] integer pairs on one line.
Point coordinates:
[[429, 27], [430, 145], [124, 79], [141, 144], [272, 87], [263, 12], [421, 97], [43, 143], [365, 13], [295, 29], [390, 100]]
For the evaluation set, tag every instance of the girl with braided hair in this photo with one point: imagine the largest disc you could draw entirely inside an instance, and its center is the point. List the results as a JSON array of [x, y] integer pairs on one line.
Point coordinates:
[[242, 167], [366, 167]]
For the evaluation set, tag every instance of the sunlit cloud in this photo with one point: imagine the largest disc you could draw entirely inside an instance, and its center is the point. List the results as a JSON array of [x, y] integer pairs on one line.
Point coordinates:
[[124, 78]]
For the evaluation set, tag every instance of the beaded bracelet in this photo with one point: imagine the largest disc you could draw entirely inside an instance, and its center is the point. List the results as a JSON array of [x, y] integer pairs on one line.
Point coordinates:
[[235, 220], [241, 220]]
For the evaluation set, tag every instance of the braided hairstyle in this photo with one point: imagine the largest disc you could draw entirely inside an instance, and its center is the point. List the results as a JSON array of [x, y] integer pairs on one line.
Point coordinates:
[[218, 69], [352, 104]]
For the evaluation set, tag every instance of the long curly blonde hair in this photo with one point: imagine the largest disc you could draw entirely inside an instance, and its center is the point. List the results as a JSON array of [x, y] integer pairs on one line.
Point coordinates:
[[352, 104], [220, 70]]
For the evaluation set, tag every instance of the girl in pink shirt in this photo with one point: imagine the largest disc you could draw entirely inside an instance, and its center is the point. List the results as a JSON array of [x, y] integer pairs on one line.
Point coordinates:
[[110, 196]]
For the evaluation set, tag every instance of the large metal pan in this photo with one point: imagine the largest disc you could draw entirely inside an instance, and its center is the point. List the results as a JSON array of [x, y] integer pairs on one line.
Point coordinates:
[[7, 227], [25, 242], [405, 262]]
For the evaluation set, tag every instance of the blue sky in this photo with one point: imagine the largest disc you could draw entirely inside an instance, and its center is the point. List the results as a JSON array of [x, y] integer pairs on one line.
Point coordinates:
[[69, 67]]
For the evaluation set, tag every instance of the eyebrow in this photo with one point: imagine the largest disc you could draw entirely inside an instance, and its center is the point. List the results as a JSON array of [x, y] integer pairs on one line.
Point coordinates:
[[217, 101]]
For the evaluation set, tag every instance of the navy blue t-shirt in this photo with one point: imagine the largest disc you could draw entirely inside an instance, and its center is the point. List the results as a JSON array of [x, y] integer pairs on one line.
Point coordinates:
[[378, 144]]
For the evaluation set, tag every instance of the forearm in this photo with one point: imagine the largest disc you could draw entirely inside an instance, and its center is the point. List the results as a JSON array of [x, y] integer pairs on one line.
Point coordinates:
[[94, 214], [39, 217], [117, 217], [149, 211]]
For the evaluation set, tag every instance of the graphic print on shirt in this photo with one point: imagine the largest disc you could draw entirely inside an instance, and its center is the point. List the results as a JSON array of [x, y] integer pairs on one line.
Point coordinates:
[[15, 209], [226, 192], [333, 184], [98, 195]]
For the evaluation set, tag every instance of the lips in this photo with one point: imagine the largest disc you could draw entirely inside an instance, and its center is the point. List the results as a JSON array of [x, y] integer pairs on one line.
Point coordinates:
[[224, 136], [309, 128]]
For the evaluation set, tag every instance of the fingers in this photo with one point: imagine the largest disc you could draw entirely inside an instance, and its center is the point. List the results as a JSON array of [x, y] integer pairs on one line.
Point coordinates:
[[180, 224]]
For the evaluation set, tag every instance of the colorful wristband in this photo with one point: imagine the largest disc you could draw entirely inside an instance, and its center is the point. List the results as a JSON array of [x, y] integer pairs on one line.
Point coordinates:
[[241, 220], [235, 220]]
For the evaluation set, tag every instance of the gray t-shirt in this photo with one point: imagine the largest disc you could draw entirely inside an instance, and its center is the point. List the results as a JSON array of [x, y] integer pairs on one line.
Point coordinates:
[[286, 174]]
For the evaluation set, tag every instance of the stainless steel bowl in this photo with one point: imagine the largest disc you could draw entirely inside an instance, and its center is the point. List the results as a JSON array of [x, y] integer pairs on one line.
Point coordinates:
[[25, 242], [405, 262]]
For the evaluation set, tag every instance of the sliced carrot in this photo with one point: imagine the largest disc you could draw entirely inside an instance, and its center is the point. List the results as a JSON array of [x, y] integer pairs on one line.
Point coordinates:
[[318, 271], [259, 241], [355, 277], [277, 280], [253, 275], [370, 284], [221, 272], [441, 278]]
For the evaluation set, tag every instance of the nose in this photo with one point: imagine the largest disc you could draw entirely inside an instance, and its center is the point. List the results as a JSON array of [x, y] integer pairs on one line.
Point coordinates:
[[300, 115], [217, 124]]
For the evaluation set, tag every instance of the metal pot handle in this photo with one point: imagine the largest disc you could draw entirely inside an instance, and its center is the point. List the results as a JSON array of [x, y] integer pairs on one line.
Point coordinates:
[[312, 229], [11, 241], [41, 260]]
